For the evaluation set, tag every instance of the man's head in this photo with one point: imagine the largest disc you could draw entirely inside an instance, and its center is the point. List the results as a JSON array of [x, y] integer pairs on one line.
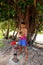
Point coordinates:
[[22, 24]]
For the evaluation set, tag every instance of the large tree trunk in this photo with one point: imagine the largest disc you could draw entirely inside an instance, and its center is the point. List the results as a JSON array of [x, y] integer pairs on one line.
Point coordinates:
[[35, 3], [26, 16]]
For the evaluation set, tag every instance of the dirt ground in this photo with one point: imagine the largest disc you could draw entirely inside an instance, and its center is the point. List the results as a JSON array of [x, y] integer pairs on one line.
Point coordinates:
[[35, 56]]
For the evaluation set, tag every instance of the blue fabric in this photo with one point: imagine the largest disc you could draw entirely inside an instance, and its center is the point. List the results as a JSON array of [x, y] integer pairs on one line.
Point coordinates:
[[23, 42]]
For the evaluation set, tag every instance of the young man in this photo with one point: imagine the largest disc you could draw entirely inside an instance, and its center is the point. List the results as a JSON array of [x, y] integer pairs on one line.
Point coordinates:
[[23, 38]]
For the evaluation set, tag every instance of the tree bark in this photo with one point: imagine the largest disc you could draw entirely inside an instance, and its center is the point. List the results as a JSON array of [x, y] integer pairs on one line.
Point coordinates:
[[35, 3], [7, 34]]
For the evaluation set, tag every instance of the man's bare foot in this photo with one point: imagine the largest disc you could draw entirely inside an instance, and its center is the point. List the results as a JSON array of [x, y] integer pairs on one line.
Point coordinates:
[[15, 60], [26, 58]]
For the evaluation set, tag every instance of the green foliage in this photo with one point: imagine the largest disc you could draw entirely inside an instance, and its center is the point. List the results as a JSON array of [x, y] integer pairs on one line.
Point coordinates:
[[29, 2], [23, 5], [6, 11], [12, 25], [41, 18], [3, 25], [40, 9], [39, 6], [41, 28], [20, 3]]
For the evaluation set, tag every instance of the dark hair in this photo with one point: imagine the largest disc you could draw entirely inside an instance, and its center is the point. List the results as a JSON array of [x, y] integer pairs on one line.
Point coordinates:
[[22, 22]]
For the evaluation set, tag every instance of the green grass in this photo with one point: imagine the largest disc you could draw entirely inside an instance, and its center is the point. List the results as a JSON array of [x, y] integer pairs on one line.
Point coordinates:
[[1, 45], [1, 35]]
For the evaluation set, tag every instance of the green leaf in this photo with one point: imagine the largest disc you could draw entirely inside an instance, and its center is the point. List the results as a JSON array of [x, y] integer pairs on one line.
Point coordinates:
[[38, 4], [41, 7], [29, 2]]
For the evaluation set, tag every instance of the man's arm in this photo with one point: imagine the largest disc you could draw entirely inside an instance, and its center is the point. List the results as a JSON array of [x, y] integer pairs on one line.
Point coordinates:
[[18, 35], [26, 32]]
